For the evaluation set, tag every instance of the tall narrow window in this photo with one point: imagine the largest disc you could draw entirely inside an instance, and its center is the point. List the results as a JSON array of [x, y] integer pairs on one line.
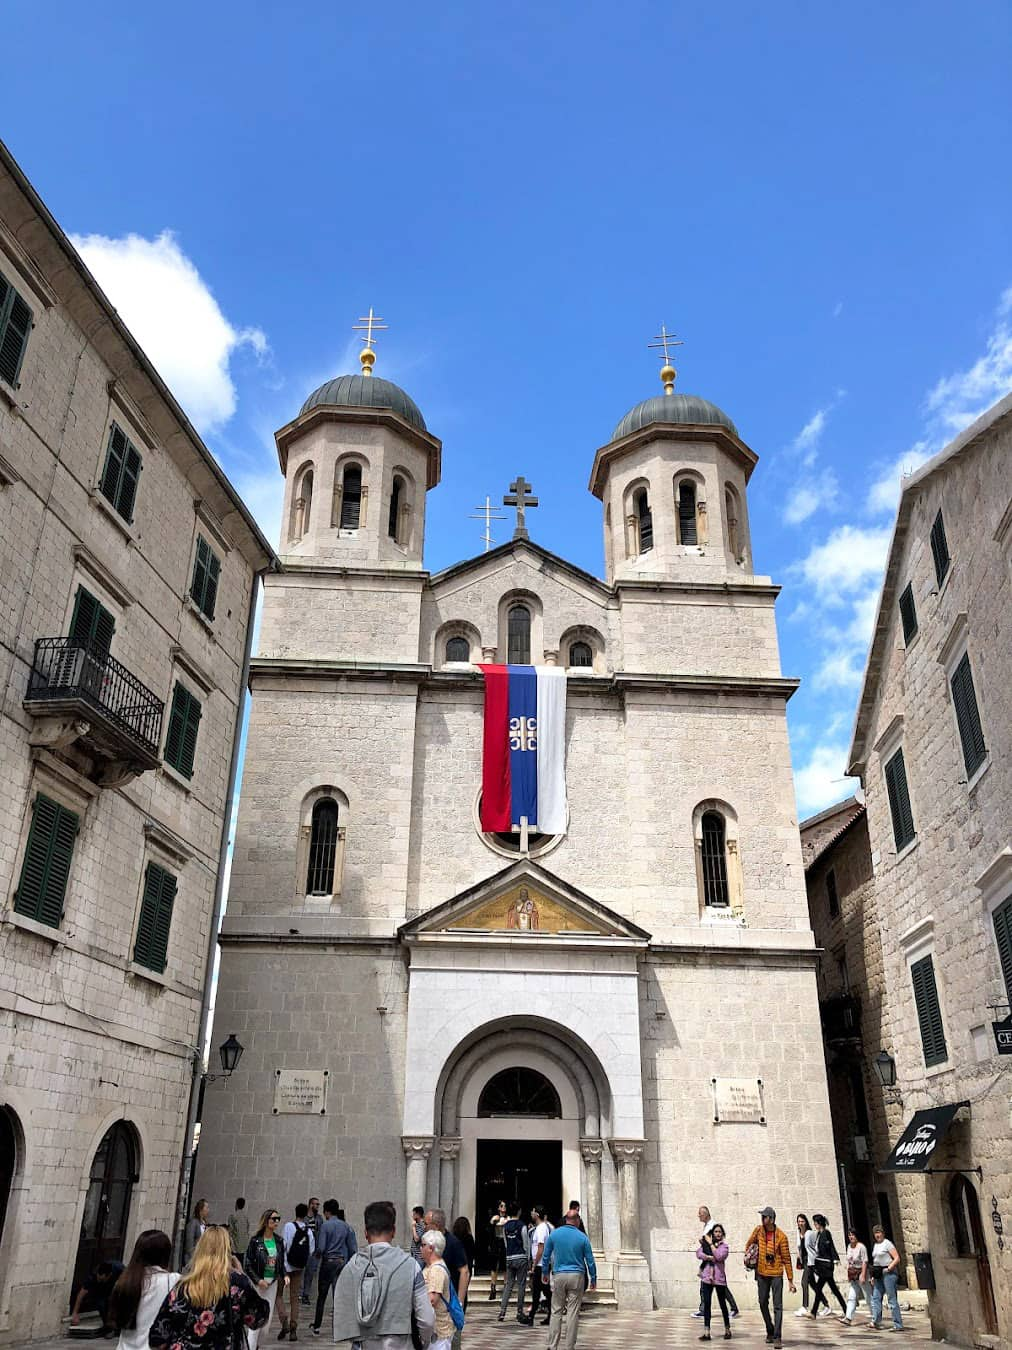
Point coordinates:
[[964, 701], [733, 533], [899, 800], [322, 848], [458, 649], [832, 894], [939, 548], [929, 1012], [518, 636], [206, 570], [306, 499], [687, 533], [15, 326], [120, 475], [580, 654], [1003, 936], [644, 521], [908, 613], [152, 944], [714, 859], [92, 624], [351, 497], [46, 867], [181, 737], [396, 499]]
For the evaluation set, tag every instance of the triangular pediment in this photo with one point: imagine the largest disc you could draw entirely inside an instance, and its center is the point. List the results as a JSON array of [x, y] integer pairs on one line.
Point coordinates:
[[527, 902], [539, 560]]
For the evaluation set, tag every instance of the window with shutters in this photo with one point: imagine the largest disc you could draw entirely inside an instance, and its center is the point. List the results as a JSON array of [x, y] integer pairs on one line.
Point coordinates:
[[91, 624], [159, 896], [687, 533], [121, 473], [939, 548], [518, 634], [15, 327], [1002, 918], [351, 497], [715, 890], [908, 614], [206, 571], [644, 521], [181, 736], [964, 703], [899, 800], [929, 1012], [832, 894], [48, 855]]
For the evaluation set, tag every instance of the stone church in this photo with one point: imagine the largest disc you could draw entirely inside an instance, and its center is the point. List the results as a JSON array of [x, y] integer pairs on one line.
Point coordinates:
[[623, 1012]]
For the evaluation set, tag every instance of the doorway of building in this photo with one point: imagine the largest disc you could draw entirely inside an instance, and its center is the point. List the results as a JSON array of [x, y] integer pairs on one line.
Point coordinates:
[[524, 1170], [107, 1204], [8, 1163], [969, 1234]]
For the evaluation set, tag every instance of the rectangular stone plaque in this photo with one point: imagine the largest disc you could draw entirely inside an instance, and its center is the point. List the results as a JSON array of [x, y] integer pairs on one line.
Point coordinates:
[[738, 1101], [300, 1092]]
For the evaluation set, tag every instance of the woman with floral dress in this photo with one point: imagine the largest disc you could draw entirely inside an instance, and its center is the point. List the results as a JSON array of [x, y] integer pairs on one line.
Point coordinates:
[[212, 1306]]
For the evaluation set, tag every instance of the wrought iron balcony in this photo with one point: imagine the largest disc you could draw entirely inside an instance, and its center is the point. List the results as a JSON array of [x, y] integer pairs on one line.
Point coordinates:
[[86, 695], [841, 1018]]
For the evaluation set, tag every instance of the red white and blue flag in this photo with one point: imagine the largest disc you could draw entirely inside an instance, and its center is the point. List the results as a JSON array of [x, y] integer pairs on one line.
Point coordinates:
[[524, 761]]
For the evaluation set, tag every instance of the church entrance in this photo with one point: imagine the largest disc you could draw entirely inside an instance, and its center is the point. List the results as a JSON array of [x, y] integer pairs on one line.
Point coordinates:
[[524, 1170]]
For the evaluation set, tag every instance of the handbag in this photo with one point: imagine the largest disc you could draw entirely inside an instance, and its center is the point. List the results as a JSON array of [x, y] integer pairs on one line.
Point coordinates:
[[853, 1272], [752, 1256]]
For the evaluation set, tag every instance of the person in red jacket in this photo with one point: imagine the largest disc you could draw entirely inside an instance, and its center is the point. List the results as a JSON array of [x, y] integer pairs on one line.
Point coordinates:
[[773, 1264]]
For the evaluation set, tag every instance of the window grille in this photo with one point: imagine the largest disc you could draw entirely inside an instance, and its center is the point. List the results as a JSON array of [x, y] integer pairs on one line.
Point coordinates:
[[322, 848], [396, 494], [899, 800], [351, 497], [518, 636], [908, 614], [714, 860], [645, 521], [929, 1012], [687, 533], [964, 701], [581, 654], [458, 649], [939, 548]]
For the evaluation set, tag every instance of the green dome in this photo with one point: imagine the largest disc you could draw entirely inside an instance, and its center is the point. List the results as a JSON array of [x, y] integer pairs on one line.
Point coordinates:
[[684, 408], [365, 391]]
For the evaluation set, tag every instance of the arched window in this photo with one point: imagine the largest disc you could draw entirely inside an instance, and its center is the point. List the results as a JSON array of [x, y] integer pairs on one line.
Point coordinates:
[[8, 1161], [107, 1202], [965, 1213], [644, 520], [687, 533], [458, 649], [581, 654], [518, 636], [322, 848], [731, 515], [302, 505], [396, 499], [714, 859], [351, 497], [519, 1092]]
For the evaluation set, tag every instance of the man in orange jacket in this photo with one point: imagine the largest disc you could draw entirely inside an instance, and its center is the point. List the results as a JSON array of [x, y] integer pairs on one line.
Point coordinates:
[[774, 1263]]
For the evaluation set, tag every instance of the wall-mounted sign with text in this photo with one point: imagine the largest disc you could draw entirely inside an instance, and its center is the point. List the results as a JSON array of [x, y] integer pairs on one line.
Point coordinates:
[[300, 1092], [738, 1101]]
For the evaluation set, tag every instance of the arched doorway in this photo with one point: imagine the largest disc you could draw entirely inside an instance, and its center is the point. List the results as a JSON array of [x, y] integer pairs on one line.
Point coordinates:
[[107, 1204], [8, 1163], [969, 1235]]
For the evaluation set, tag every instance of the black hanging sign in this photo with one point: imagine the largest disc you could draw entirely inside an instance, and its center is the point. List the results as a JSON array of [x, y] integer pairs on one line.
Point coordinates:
[[1003, 1035], [917, 1143]]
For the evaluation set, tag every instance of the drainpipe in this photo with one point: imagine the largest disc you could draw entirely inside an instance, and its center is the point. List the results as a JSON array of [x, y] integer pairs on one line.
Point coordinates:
[[196, 1100]]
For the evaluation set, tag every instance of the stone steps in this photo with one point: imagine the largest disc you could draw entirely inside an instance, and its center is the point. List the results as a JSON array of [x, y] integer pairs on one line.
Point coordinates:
[[601, 1297]]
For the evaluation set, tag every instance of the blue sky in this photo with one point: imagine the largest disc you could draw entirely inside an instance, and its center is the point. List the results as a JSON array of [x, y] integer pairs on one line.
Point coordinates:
[[815, 197]]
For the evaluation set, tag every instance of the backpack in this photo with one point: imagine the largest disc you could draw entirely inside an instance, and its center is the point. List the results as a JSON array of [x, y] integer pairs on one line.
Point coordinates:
[[453, 1302], [516, 1242], [298, 1252]]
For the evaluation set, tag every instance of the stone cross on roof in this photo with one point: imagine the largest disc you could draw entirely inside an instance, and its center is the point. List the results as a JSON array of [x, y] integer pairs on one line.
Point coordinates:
[[517, 496]]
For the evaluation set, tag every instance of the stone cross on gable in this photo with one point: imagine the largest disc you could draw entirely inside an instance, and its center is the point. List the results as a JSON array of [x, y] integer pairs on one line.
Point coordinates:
[[517, 496]]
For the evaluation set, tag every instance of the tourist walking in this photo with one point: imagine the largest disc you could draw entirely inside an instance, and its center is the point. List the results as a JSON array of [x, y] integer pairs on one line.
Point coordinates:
[[712, 1253], [195, 1229], [885, 1264], [417, 1229], [856, 1257], [804, 1227], [517, 1256], [213, 1307], [497, 1250], [377, 1312], [826, 1257], [264, 1263], [703, 1214], [314, 1220], [568, 1254], [336, 1246], [142, 1289], [437, 1281], [540, 1287], [772, 1253], [299, 1248], [574, 1208], [818, 1294], [238, 1228], [462, 1232], [456, 1261]]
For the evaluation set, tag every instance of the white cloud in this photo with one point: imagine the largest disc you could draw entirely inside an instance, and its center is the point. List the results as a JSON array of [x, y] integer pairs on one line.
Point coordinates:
[[837, 309], [820, 780], [841, 669], [810, 434], [959, 399], [172, 313], [844, 564], [884, 494], [808, 497]]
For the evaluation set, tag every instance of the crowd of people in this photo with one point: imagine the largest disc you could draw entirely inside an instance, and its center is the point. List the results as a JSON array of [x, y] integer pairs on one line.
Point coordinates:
[[386, 1298]]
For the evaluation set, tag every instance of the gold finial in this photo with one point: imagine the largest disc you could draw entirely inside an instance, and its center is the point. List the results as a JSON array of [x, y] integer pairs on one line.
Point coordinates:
[[662, 341], [369, 323]]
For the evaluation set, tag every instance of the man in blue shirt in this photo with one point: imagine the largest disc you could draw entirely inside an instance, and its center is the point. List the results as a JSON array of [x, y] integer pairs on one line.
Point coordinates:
[[335, 1246], [568, 1253]]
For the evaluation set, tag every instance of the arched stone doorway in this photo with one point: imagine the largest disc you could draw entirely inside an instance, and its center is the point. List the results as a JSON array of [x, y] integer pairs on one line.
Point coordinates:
[[111, 1181], [8, 1163], [968, 1230]]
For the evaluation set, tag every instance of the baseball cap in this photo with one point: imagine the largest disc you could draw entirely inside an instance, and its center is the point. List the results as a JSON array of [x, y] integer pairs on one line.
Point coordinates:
[[768, 1213]]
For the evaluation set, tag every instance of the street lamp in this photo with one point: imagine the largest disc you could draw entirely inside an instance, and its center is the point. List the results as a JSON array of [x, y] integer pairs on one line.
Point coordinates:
[[885, 1070], [230, 1053]]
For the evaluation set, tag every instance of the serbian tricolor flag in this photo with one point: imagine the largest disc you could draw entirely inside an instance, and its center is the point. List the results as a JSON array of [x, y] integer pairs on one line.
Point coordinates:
[[524, 762]]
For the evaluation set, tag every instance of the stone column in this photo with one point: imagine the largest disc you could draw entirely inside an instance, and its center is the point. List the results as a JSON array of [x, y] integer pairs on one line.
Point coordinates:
[[628, 1153], [449, 1152], [417, 1148], [488, 655], [592, 1151], [551, 656]]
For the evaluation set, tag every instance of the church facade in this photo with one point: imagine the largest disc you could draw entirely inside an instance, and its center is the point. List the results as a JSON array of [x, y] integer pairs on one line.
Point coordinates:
[[615, 1012]]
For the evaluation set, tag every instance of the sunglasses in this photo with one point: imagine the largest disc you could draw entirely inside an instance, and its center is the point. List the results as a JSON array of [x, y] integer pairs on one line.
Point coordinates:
[[275, 1218]]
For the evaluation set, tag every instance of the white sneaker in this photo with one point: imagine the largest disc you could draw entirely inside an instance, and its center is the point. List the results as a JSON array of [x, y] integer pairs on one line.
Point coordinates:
[[825, 1312], [800, 1312]]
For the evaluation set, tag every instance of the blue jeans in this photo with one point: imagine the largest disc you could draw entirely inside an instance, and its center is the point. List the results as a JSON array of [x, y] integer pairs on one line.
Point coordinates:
[[886, 1282]]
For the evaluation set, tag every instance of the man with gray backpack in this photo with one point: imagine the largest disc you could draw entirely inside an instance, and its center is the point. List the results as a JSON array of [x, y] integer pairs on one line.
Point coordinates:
[[517, 1256], [380, 1299]]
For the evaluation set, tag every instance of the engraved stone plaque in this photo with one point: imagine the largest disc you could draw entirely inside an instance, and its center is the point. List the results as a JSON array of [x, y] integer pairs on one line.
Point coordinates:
[[300, 1092], [738, 1101]]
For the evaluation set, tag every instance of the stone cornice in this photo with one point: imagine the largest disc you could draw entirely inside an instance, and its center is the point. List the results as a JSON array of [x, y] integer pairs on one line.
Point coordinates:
[[669, 431], [381, 417]]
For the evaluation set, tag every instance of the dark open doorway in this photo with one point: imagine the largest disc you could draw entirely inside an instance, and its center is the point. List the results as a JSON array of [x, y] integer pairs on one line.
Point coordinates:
[[507, 1169], [107, 1204]]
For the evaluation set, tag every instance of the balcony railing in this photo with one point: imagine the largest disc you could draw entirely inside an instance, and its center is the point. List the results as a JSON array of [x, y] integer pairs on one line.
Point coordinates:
[[69, 670]]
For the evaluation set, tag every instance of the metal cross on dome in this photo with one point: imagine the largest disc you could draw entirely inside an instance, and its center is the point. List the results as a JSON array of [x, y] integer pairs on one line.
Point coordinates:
[[368, 324], [517, 496]]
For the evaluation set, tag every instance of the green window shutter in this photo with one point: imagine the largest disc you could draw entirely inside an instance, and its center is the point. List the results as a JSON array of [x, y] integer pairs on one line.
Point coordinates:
[[939, 548], [964, 701], [899, 800], [206, 570], [159, 896], [929, 1012], [122, 471], [1003, 936], [15, 326], [46, 867], [128, 484], [181, 737], [908, 614], [92, 623]]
